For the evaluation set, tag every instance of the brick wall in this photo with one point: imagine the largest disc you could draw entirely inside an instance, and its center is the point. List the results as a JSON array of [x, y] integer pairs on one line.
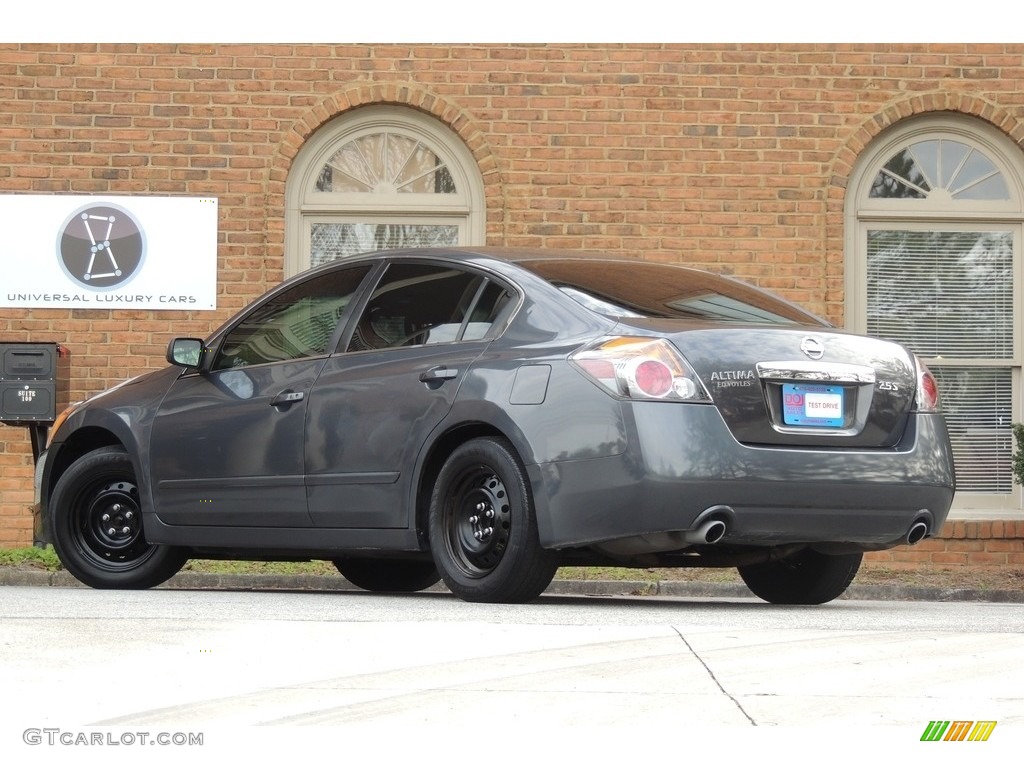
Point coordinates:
[[729, 156], [995, 543]]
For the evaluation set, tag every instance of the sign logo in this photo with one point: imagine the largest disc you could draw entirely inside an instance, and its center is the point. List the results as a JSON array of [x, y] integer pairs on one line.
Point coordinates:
[[101, 246], [958, 730], [812, 347]]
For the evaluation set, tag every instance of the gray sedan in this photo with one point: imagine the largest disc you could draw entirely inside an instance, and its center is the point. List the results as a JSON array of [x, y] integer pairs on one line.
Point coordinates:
[[484, 416]]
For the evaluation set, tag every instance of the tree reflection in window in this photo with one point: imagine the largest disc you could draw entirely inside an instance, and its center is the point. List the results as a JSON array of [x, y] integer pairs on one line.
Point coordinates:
[[385, 163], [939, 167]]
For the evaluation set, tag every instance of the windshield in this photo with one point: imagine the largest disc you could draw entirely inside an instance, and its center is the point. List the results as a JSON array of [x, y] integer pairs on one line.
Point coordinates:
[[650, 289]]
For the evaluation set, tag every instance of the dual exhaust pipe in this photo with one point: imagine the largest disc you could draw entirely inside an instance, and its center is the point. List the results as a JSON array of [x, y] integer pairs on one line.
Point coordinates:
[[714, 528]]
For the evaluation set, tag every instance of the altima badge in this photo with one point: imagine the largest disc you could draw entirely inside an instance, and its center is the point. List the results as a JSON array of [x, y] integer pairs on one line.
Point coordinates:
[[812, 347]]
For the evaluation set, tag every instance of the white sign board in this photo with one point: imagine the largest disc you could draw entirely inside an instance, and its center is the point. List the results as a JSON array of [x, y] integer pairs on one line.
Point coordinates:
[[102, 252]]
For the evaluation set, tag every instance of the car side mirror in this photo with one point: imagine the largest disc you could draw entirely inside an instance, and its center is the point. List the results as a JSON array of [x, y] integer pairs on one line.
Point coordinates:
[[186, 352]]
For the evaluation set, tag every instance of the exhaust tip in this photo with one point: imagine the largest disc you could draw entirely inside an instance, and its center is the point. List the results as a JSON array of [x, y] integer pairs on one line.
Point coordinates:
[[708, 532], [713, 531], [917, 532]]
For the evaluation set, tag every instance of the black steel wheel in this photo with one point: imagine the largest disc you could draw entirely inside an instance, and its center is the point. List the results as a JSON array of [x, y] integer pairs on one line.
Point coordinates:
[[384, 575], [805, 578], [96, 524], [483, 526]]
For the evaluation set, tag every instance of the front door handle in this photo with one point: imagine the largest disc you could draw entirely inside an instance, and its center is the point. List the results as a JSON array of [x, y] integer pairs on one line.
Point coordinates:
[[439, 373], [286, 398]]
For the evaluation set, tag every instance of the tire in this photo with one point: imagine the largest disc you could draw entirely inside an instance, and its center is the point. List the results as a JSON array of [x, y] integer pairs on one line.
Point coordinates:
[[483, 526], [382, 575], [806, 578], [96, 523]]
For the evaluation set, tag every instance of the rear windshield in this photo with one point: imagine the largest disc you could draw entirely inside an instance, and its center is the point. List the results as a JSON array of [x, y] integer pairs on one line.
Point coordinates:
[[650, 289]]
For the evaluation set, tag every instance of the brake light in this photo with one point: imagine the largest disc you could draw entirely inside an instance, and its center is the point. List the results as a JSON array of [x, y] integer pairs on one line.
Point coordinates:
[[652, 378], [927, 389], [642, 369]]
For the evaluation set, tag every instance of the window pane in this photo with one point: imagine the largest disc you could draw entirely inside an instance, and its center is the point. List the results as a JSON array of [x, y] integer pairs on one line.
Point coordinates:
[[943, 294], [979, 179], [336, 240], [900, 177], [385, 163], [977, 405], [488, 309], [415, 304], [296, 324], [940, 164]]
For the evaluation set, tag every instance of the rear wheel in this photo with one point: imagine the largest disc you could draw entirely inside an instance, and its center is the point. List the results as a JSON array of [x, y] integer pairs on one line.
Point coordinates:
[[96, 524], [805, 578], [483, 526], [382, 575]]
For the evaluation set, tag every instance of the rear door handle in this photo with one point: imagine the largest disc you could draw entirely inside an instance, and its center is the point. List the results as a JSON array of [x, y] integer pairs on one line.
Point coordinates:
[[440, 373], [286, 398]]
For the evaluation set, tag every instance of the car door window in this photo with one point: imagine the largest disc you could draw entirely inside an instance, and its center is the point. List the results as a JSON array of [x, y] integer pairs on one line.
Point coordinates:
[[292, 325], [417, 304], [490, 307]]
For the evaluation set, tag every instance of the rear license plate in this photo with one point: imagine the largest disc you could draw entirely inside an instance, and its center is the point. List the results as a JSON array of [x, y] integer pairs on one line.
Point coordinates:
[[812, 405]]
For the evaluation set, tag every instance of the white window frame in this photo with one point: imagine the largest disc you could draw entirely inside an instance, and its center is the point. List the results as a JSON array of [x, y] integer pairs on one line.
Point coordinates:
[[863, 214], [305, 206]]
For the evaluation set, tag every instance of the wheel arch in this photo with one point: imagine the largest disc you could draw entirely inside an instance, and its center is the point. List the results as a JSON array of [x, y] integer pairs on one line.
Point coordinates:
[[78, 444], [434, 458], [86, 430]]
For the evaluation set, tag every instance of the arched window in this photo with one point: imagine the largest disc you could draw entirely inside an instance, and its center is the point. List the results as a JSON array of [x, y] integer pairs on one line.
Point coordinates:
[[381, 177], [934, 228]]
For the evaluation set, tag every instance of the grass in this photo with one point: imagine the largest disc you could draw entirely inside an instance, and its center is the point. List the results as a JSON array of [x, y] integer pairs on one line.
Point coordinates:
[[31, 557], [920, 575]]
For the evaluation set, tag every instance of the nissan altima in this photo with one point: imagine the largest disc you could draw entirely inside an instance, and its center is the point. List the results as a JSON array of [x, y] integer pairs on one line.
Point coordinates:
[[483, 416]]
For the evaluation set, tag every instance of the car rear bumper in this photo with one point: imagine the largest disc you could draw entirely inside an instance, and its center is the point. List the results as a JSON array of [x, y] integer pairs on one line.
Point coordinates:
[[683, 468]]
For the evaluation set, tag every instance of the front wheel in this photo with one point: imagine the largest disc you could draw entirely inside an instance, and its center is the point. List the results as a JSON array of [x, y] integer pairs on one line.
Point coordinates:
[[96, 524], [483, 526], [382, 575], [805, 578]]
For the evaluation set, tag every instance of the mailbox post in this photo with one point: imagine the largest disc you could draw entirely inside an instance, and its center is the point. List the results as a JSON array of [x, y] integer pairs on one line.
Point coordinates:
[[34, 388]]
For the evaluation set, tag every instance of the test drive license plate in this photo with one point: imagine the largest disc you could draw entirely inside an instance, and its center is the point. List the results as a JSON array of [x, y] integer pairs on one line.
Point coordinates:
[[812, 405]]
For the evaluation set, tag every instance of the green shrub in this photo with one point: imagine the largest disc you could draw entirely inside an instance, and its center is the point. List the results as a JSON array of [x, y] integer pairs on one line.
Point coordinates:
[[1018, 453]]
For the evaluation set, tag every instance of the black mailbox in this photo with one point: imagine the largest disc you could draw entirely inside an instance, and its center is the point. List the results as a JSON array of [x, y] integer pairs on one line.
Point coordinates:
[[34, 382]]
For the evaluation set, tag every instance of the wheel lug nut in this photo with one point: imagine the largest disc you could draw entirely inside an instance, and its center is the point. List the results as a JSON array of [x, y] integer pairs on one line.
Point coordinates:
[[126, 530], [111, 531], [473, 519], [481, 507], [477, 535], [117, 507], [128, 515], [488, 531], [105, 518], [490, 514]]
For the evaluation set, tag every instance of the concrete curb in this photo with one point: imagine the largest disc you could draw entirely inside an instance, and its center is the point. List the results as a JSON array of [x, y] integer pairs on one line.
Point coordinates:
[[23, 577]]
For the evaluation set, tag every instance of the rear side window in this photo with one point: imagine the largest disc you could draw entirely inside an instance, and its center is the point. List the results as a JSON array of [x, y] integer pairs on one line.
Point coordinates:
[[416, 304], [491, 305]]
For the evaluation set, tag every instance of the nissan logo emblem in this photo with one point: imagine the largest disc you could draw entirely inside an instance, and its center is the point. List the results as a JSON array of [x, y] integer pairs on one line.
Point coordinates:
[[812, 347]]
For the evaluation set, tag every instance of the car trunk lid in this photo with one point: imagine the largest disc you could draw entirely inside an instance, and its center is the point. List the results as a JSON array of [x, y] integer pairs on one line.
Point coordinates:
[[804, 386]]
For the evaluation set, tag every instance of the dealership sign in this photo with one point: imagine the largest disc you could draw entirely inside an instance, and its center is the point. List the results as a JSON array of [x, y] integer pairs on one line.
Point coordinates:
[[85, 252]]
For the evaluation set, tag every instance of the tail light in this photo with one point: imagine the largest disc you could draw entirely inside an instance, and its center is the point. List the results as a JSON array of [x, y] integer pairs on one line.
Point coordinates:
[[927, 389], [641, 369]]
